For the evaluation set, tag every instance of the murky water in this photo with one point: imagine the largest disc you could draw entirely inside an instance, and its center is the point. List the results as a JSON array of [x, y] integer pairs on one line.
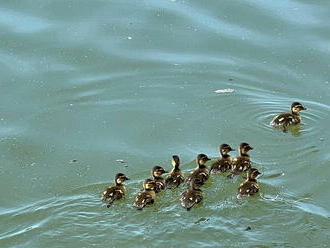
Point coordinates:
[[98, 81]]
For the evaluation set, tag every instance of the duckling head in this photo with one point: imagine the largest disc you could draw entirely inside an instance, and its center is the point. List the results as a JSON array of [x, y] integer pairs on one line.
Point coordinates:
[[225, 149], [149, 184], [202, 159], [175, 161], [296, 107], [244, 148], [157, 171], [120, 178], [253, 173]]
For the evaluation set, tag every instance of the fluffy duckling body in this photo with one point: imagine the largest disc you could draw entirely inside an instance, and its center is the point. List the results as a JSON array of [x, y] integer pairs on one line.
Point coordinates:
[[224, 163], [193, 195], [291, 118], [146, 196], [117, 191], [201, 173], [157, 173], [250, 185], [242, 163], [176, 177]]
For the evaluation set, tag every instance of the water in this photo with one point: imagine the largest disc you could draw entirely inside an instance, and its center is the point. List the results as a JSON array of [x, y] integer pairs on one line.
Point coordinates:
[[98, 81]]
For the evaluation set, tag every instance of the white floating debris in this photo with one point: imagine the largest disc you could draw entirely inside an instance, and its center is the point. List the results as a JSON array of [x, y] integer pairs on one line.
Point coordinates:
[[129, 37], [224, 91], [120, 161]]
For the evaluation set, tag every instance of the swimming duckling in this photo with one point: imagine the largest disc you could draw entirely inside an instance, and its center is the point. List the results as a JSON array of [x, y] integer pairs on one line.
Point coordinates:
[[176, 177], [157, 171], [117, 191], [146, 196], [201, 172], [242, 162], [193, 195], [224, 163], [286, 119], [250, 185]]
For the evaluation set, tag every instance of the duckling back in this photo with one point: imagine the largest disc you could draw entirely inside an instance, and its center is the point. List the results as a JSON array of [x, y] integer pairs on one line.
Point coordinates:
[[146, 196], [241, 164], [143, 199], [286, 119], [221, 165], [248, 188], [116, 191], [113, 193], [193, 195], [201, 174], [174, 179]]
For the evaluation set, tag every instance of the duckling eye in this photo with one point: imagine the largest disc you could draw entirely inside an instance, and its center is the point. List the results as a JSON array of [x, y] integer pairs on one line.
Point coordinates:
[[297, 108]]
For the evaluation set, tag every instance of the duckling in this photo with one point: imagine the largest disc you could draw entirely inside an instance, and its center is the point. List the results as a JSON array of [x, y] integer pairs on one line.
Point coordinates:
[[201, 172], [193, 195], [250, 185], [117, 191], [286, 119], [224, 163], [176, 177], [146, 196], [157, 171], [242, 162]]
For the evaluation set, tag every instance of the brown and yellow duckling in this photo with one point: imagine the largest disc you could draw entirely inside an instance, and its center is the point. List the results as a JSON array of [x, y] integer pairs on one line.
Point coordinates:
[[250, 186], [146, 196], [201, 173], [242, 163], [224, 163], [291, 118], [117, 191], [193, 195], [176, 177], [157, 173]]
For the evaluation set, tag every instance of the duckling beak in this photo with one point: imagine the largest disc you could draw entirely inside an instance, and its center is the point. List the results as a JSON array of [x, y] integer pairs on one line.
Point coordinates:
[[231, 149], [250, 147], [165, 171], [304, 108], [258, 174], [126, 178]]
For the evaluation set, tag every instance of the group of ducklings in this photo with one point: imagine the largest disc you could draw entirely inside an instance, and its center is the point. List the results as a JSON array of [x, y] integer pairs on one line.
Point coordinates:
[[197, 178]]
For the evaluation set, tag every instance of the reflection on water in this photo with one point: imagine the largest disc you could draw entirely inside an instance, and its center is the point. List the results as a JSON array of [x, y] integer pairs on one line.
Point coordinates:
[[294, 130], [103, 81]]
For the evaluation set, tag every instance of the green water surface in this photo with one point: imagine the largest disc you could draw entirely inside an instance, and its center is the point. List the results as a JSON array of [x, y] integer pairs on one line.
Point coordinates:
[[135, 80]]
